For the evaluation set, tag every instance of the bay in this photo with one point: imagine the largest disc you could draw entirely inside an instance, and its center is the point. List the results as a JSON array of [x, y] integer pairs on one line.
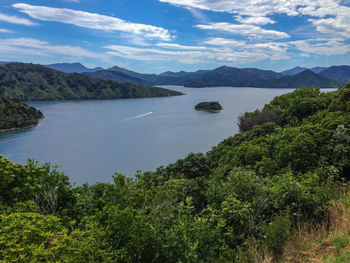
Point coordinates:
[[92, 139]]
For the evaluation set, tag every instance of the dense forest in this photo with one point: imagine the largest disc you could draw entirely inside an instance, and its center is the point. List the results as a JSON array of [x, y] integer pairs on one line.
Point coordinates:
[[256, 197], [17, 115], [29, 82]]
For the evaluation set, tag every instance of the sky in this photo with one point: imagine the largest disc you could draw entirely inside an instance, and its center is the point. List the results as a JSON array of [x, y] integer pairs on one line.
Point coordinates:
[[153, 36]]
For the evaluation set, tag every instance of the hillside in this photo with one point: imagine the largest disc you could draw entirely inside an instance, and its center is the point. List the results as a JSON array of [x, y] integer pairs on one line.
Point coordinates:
[[72, 67], [232, 77], [15, 115], [125, 75], [293, 71], [297, 70], [306, 78], [27, 82], [339, 73], [255, 197]]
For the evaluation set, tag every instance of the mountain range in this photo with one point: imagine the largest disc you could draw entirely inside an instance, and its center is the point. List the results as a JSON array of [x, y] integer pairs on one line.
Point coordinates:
[[306, 78], [222, 76], [297, 70], [234, 77], [72, 68]]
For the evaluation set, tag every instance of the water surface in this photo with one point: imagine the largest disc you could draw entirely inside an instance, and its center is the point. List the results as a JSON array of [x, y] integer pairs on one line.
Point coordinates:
[[95, 138]]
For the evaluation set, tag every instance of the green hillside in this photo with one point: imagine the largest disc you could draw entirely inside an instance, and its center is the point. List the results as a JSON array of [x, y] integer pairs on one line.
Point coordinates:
[[250, 199], [15, 115], [28, 82], [307, 78]]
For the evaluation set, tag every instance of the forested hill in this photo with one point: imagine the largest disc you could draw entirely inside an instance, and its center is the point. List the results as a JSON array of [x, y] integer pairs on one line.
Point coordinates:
[[306, 78], [29, 82], [15, 115], [247, 200]]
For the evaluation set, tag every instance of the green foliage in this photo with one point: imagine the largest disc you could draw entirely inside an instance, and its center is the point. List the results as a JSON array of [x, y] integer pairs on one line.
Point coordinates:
[[340, 242], [257, 185], [250, 119], [28, 82], [211, 106], [31, 237], [276, 233], [17, 115]]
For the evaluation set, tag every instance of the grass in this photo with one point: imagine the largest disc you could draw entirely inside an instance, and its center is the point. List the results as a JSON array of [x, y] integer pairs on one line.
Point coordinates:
[[327, 242]]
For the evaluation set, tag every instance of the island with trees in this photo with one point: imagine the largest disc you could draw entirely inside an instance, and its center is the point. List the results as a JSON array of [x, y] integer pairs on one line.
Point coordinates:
[[16, 115], [209, 106]]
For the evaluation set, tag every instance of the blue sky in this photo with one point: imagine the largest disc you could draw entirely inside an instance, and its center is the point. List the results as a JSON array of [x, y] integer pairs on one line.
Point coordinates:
[[153, 36]]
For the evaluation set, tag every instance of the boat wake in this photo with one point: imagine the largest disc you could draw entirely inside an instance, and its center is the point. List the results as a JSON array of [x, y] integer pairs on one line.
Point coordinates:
[[137, 117]]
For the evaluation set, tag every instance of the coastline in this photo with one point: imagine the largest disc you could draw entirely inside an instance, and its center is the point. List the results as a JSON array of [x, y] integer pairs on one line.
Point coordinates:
[[212, 111], [20, 128]]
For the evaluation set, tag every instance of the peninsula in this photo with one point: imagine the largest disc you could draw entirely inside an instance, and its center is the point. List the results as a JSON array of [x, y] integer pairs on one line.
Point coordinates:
[[15, 115]]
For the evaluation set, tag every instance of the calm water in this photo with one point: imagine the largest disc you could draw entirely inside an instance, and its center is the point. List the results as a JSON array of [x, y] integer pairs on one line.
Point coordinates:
[[94, 139]]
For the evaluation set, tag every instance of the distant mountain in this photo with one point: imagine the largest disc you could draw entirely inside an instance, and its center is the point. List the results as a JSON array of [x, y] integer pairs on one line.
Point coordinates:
[[181, 73], [233, 77], [293, 71], [339, 73], [222, 76], [317, 69], [229, 76], [72, 68], [28, 82], [297, 70], [175, 74], [307, 78]]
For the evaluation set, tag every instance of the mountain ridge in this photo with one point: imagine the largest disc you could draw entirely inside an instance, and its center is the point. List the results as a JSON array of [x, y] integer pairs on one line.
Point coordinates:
[[30, 82]]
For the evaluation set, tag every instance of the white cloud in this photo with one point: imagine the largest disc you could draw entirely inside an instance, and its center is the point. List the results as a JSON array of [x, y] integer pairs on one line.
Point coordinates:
[[337, 25], [16, 20], [245, 30], [220, 54], [329, 16], [321, 46], [30, 46], [224, 42], [92, 21], [259, 8], [255, 20], [4, 30], [180, 47]]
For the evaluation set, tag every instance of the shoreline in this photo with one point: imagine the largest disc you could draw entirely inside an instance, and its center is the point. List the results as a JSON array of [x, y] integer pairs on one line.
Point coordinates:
[[212, 111], [20, 128]]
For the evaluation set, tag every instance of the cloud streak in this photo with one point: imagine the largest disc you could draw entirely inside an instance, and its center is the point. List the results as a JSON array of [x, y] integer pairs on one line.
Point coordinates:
[[16, 20], [92, 21], [246, 30], [31, 46]]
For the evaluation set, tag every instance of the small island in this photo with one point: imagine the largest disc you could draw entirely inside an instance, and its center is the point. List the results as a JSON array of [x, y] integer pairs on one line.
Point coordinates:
[[210, 106]]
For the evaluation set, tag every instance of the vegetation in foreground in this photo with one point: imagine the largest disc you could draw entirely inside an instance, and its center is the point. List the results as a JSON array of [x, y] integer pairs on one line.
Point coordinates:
[[15, 115], [29, 82], [211, 106], [247, 200]]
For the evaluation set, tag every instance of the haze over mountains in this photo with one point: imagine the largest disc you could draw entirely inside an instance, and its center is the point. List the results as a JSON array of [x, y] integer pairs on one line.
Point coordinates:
[[72, 67], [234, 77]]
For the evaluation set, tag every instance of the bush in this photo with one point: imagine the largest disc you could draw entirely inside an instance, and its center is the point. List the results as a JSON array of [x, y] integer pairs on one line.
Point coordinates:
[[248, 120]]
